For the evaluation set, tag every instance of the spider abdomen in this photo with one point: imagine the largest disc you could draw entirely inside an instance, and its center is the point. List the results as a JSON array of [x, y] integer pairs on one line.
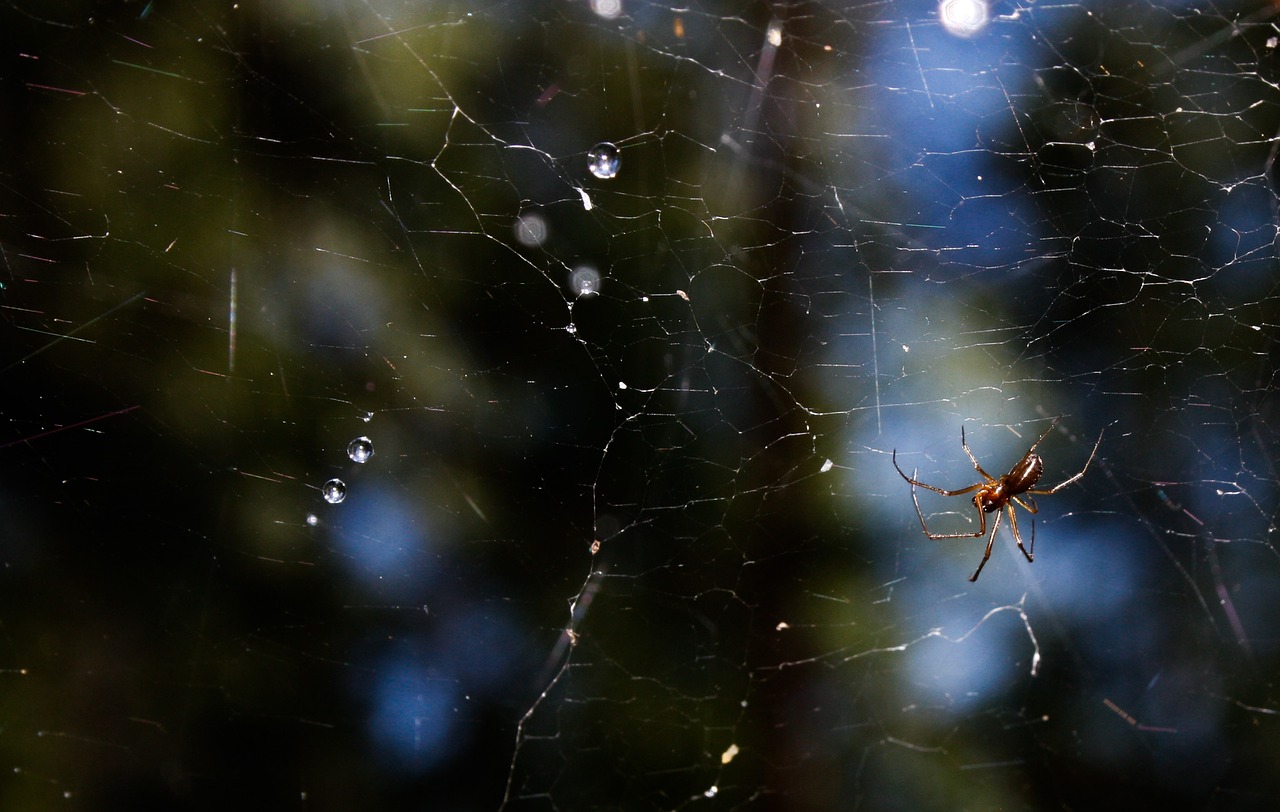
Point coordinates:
[[1024, 475]]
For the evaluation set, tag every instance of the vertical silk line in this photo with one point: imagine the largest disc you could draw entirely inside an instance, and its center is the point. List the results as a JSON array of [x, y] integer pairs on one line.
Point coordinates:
[[875, 355], [231, 327]]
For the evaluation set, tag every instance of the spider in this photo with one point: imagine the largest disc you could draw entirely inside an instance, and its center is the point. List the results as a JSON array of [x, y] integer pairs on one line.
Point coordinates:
[[994, 494]]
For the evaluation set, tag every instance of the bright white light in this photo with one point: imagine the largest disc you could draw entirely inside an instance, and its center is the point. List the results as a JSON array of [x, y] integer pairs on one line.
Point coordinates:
[[964, 18], [531, 229], [774, 34], [585, 281], [607, 8]]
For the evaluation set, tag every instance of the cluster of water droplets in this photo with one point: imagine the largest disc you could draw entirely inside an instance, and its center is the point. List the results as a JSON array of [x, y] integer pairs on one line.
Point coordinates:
[[360, 450]]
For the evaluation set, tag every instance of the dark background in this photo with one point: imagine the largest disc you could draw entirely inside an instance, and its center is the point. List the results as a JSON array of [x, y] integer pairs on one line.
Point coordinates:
[[641, 547]]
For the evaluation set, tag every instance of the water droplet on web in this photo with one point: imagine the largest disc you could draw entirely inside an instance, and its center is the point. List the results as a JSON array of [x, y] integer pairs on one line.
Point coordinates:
[[334, 491], [360, 449], [584, 281], [604, 160], [531, 229], [963, 18], [607, 8], [312, 520]]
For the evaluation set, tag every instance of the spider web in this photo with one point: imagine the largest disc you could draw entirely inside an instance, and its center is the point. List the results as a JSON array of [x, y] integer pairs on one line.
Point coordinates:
[[492, 406]]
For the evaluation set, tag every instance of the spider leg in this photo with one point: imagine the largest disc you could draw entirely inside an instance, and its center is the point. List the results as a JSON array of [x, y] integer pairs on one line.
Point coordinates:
[[1046, 434], [1017, 537], [994, 527], [973, 459], [982, 521], [1028, 504], [915, 482], [1076, 478]]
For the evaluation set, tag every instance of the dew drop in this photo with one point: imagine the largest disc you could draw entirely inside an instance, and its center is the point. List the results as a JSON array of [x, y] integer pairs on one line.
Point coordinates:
[[604, 160], [607, 8], [964, 18], [531, 229], [584, 281], [360, 449], [334, 491]]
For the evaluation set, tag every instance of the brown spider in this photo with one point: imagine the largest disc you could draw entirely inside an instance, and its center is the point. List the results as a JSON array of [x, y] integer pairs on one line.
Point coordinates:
[[994, 494]]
